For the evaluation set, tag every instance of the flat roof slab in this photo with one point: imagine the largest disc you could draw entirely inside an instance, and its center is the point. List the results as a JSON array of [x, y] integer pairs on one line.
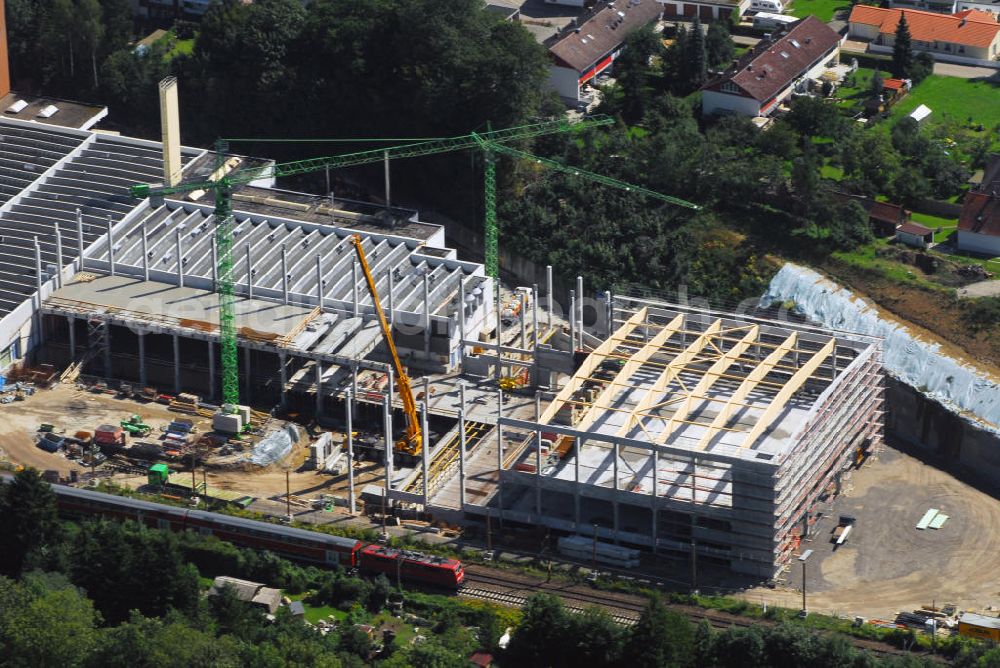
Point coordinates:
[[150, 300]]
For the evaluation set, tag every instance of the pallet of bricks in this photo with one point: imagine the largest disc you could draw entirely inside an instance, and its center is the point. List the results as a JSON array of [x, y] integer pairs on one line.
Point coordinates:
[[185, 403]]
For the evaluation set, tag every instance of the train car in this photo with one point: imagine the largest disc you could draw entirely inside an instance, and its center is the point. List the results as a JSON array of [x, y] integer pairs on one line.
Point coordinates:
[[297, 544], [412, 566]]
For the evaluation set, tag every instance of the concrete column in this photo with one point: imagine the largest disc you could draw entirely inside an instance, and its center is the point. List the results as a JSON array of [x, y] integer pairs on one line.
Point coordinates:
[[348, 403], [614, 518], [609, 314], [461, 321], [142, 359], [576, 479], [389, 443], [79, 237], [211, 368], [180, 260], [548, 293], [538, 456], [500, 453], [354, 388], [425, 445], [249, 273], [427, 315], [534, 339], [572, 320], [283, 370], [319, 388], [284, 274], [111, 247], [39, 331], [579, 307], [59, 257], [354, 289], [499, 332], [461, 445], [177, 363], [614, 464], [388, 205], [71, 321], [391, 298], [215, 263], [524, 321], [319, 282], [145, 253]]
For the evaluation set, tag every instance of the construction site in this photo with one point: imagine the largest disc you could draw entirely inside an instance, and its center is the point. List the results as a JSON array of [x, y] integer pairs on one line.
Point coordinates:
[[226, 335]]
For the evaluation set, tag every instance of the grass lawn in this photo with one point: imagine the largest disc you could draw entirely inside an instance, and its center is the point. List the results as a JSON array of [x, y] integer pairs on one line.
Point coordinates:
[[316, 613], [849, 96], [935, 222], [821, 9], [954, 97], [178, 47], [831, 172]]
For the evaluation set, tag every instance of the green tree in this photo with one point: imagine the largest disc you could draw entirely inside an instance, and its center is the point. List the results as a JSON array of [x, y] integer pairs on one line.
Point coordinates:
[[719, 45], [45, 623], [697, 58], [90, 29], [28, 519], [660, 639], [539, 638], [902, 50], [633, 73], [806, 179]]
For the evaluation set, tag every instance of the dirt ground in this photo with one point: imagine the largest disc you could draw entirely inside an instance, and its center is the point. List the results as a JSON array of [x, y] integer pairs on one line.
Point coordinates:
[[887, 565], [73, 409]]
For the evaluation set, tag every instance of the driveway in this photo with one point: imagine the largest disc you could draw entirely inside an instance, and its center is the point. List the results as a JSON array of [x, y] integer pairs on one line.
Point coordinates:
[[981, 289], [966, 71]]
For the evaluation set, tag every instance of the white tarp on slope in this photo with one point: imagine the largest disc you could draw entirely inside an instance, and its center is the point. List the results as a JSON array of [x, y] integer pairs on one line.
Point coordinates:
[[917, 363]]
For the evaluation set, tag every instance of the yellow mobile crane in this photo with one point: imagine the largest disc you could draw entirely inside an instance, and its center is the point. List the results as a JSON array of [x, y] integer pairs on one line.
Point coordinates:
[[412, 442]]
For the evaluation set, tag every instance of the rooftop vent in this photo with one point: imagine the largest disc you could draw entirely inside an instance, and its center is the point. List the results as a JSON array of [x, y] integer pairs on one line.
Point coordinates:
[[48, 111], [17, 107]]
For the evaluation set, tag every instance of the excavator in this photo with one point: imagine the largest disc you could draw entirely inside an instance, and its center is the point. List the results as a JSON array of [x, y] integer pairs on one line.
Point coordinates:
[[412, 442]]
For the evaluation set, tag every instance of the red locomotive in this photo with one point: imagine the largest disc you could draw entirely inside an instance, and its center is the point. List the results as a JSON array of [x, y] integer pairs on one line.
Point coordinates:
[[413, 566]]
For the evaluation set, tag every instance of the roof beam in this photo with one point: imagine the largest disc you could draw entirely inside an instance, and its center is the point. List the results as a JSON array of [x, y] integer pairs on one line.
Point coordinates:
[[791, 387], [591, 363], [672, 370], [708, 380], [627, 371], [749, 384]]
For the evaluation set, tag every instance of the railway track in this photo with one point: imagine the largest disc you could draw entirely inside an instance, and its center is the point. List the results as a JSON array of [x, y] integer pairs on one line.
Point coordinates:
[[514, 590]]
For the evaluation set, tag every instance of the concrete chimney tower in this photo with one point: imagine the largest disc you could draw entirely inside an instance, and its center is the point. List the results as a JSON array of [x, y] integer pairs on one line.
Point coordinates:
[[170, 126], [4, 64]]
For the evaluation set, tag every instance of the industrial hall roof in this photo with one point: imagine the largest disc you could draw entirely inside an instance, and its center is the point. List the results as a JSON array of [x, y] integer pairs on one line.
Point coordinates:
[[768, 69], [719, 385], [969, 28], [604, 31], [47, 174]]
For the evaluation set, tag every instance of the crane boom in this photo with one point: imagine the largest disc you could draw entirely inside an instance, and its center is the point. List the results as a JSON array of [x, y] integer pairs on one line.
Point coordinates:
[[412, 443], [598, 178], [416, 149]]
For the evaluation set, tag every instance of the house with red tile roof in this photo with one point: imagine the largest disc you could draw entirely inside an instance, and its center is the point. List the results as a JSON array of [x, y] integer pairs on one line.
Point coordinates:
[[969, 35], [979, 222], [767, 74]]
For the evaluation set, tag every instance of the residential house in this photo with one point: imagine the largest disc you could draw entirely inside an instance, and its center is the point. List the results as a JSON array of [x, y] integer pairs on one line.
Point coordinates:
[[705, 10], [589, 45], [884, 217], [768, 74], [986, 6], [254, 593], [979, 222], [914, 234], [969, 36]]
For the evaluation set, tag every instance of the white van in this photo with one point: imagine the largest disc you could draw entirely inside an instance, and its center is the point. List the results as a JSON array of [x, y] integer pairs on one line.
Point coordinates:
[[766, 21], [772, 6]]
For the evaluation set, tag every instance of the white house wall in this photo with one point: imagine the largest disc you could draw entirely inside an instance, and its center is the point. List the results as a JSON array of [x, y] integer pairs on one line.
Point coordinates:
[[565, 81], [978, 243], [714, 102]]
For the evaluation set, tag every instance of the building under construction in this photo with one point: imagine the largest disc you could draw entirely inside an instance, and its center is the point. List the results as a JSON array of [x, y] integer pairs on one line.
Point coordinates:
[[666, 427]]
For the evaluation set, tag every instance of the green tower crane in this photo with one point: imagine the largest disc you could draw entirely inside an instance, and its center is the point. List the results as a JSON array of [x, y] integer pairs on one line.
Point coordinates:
[[224, 184]]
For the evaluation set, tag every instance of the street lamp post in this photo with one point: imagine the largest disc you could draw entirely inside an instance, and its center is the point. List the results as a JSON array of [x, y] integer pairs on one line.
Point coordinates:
[[805, 555]]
